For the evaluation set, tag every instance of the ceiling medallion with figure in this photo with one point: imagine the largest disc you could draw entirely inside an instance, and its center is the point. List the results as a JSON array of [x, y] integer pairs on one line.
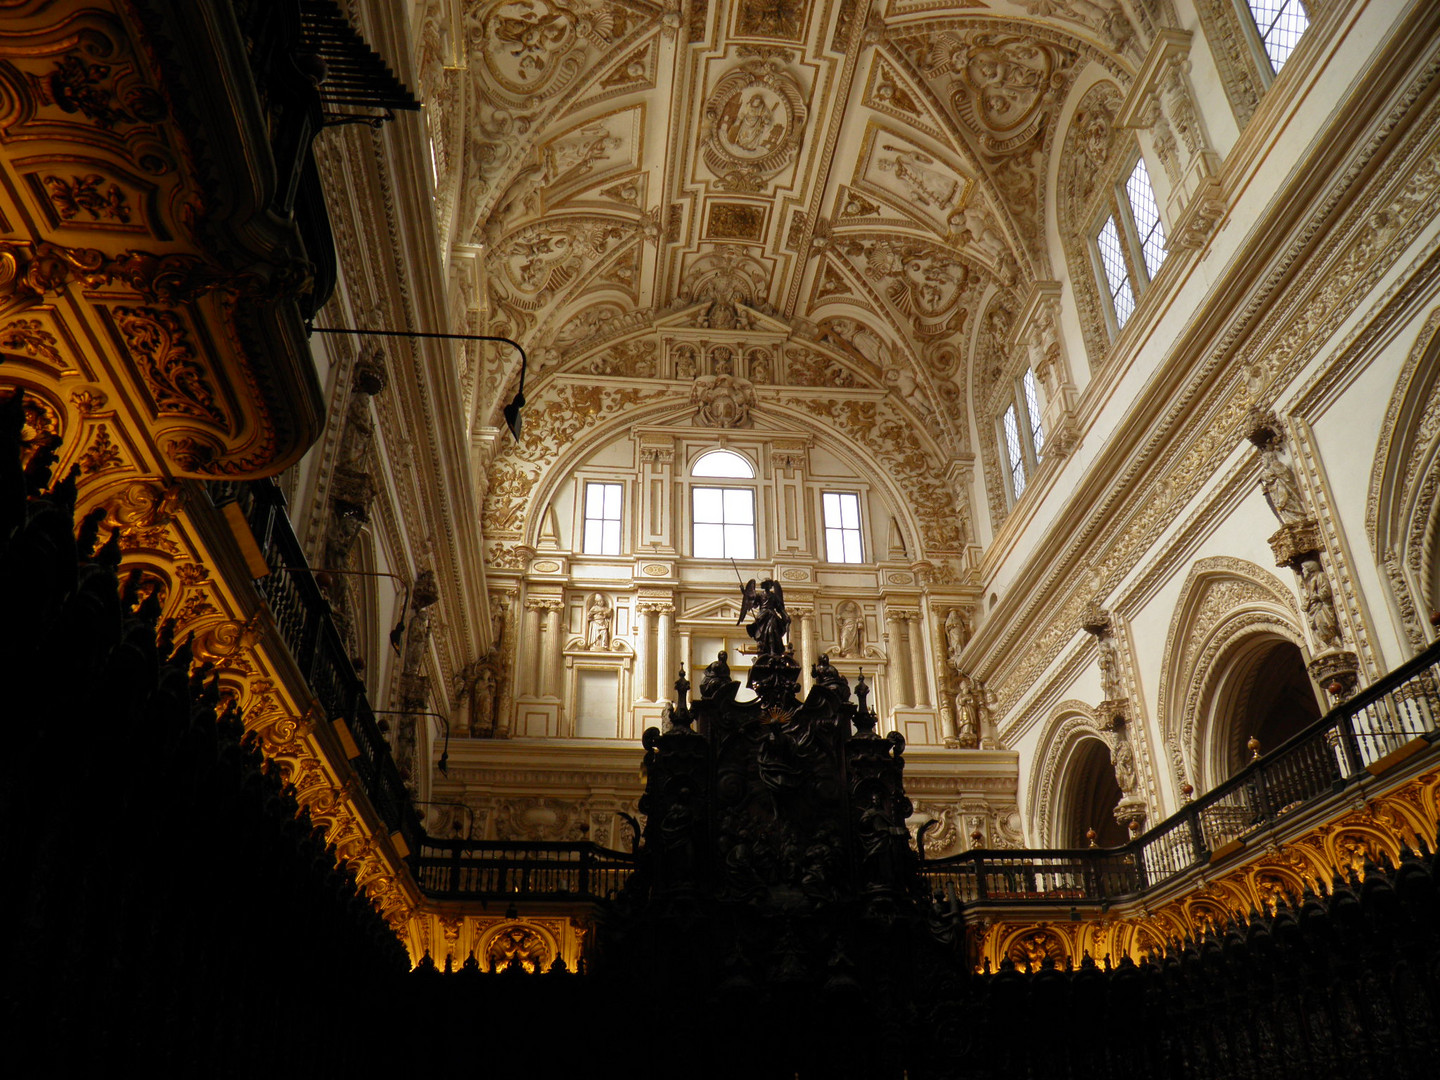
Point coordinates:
[[752, 125]]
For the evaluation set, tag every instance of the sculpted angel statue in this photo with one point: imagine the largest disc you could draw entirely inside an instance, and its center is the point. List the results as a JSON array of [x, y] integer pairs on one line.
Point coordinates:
[[771, 623]]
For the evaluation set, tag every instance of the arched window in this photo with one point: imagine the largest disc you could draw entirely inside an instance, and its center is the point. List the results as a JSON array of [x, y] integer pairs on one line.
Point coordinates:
[[722, 524], [723, 463]]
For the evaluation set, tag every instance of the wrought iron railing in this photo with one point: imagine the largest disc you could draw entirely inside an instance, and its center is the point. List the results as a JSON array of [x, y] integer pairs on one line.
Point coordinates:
[[302, 620], [1341, 748], [520, 870], [1345, 745]]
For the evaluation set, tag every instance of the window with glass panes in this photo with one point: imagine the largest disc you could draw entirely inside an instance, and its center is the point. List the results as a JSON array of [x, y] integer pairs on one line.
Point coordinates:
[[1280, 24], [842, 526], [1130, 243], [602, 519], [1022, 435], [723, 522]]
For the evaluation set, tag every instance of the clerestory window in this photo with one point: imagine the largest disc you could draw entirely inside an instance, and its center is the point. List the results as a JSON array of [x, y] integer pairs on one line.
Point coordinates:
[[602, 519], [724, 522], [722, 518], [1022, 435], [842, 526], [1280, 24], [1130, 244]]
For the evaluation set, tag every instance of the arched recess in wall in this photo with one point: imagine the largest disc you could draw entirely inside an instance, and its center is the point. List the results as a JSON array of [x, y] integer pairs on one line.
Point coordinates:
[[1073, 785], [1259, 689], [1402, 513], [1233, 623]]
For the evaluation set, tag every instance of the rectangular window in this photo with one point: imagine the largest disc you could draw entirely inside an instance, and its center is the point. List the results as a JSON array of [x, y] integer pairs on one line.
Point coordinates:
[[1131, 243], [602, 519], [724, 522], [842, 526]]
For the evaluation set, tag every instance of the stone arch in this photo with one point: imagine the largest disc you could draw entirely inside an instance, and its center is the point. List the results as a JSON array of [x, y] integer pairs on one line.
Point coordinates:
[[1227, 608], [1066, 762], [1402, 512], [1258, 688]]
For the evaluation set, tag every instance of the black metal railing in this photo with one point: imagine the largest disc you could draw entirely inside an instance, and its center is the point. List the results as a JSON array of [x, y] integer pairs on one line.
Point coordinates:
[[520, 870], [303, 621], [1339, 749], [1344, 746]]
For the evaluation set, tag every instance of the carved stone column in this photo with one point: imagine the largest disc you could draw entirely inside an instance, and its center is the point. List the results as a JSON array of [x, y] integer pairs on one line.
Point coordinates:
[[352, 489], [685, 652], [655, 491], [529, 675], [663, 662], [1298, 545], [920, 688], [642, 651], [1162, 101], [807, 656], [503, 650], [550, 650], [895, 657]]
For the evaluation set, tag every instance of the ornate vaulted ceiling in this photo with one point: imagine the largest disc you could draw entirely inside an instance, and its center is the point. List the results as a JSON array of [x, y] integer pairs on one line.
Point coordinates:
[[866, 182]]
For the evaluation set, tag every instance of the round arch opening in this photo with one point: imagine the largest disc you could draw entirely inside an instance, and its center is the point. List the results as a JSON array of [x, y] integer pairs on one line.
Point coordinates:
[[1093, 796], [1263, 691]]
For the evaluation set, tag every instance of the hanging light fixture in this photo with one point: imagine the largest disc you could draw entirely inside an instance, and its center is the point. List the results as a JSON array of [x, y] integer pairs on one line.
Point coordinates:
[[512, 410]]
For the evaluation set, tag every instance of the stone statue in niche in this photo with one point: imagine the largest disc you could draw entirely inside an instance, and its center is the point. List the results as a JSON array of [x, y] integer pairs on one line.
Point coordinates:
[[1126, 776], [598, 618], [1111, 687], [967, 714], [1282, 492], [850, 629], [1320, 604], [957, 633], [482, 703]]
